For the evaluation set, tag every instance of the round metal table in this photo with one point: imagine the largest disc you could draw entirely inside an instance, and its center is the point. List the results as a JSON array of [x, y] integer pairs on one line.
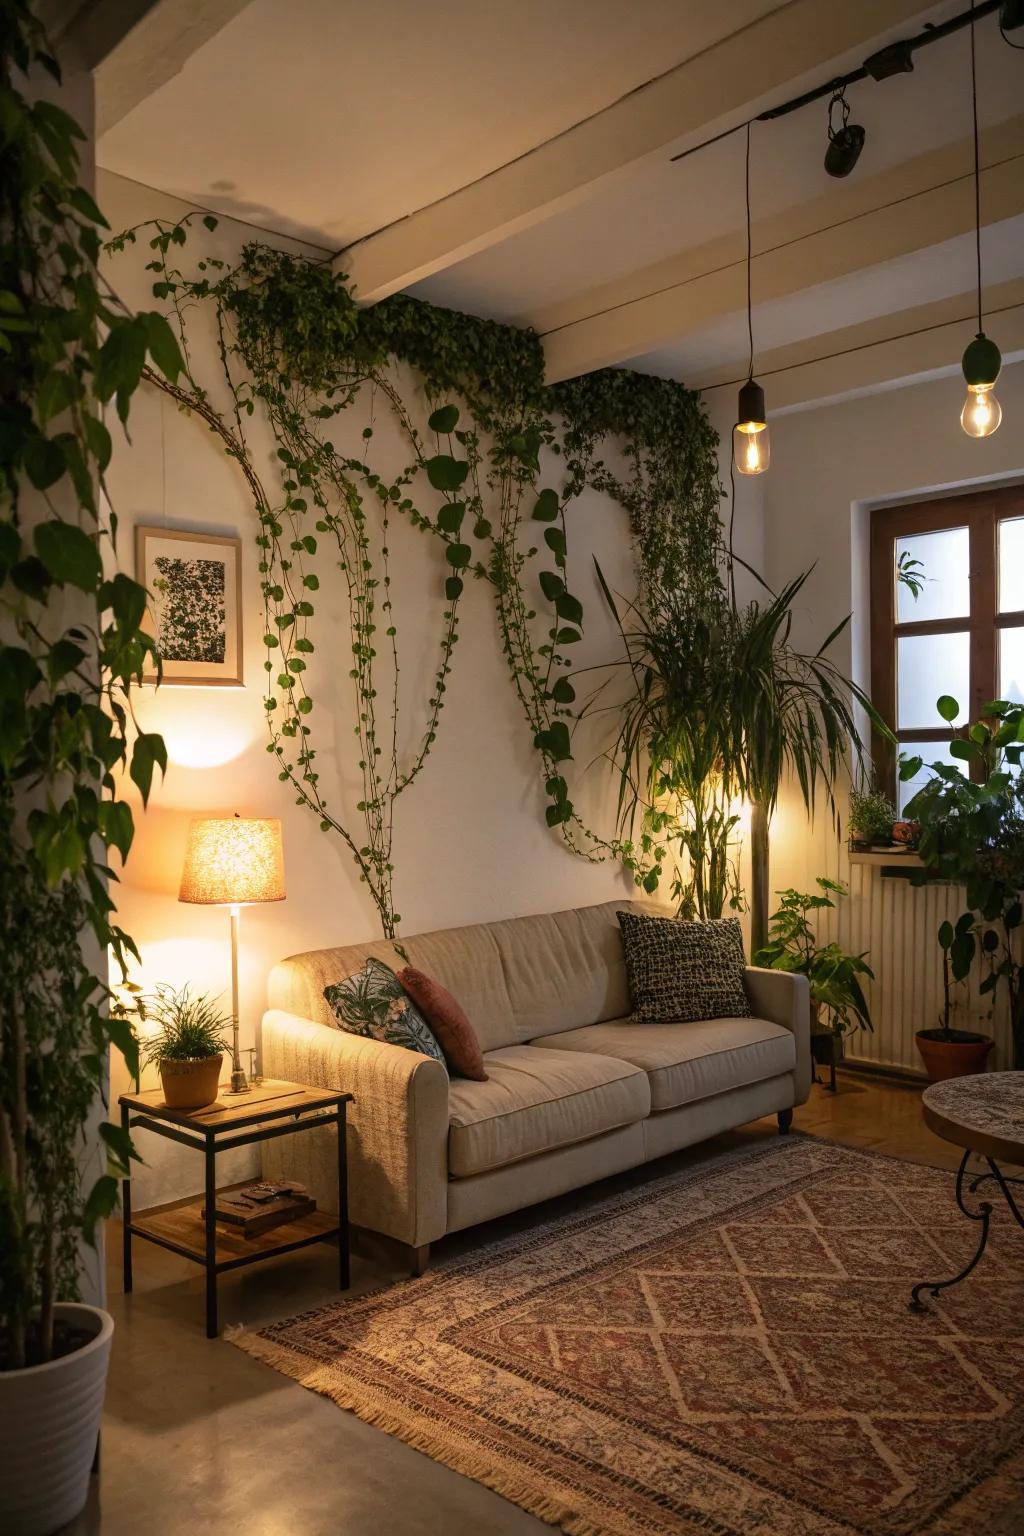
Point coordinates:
[[984, 1114]]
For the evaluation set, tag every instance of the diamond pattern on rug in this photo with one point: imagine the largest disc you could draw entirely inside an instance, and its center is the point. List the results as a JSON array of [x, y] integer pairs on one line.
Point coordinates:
[[728, 1350]]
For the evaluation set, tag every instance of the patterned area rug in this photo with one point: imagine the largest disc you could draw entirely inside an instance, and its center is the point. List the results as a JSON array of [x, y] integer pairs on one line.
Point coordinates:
[[727, 1350]]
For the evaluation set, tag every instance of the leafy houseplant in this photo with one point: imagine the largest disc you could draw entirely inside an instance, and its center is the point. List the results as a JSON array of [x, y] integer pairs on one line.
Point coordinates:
[[833, 974], [972, 834], [72, 645], [187, 1047], [872, 815]]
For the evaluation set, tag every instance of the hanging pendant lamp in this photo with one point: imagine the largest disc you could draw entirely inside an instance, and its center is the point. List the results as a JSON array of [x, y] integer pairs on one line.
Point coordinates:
[[982, 360], [751, 442]]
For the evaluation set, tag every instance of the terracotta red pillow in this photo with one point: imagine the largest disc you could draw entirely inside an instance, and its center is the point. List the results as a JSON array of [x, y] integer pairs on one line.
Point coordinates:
[[455, 1034]]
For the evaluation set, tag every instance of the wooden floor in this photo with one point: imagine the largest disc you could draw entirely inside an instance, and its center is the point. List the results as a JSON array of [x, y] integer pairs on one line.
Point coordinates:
[[875, 1112]]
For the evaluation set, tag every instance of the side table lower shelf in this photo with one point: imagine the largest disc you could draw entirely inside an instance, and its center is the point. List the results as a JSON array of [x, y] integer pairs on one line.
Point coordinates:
[[182, 1229]]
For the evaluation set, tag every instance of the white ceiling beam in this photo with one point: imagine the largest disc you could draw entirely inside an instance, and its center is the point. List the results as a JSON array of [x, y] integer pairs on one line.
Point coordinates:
[[914, 205], [879, 353], [724, 83], [136, 46]]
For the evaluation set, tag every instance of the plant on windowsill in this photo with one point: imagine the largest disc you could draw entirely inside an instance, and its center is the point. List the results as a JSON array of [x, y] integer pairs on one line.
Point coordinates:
[[972, 834], [188, 1046], [872, 816], [838, 1004]]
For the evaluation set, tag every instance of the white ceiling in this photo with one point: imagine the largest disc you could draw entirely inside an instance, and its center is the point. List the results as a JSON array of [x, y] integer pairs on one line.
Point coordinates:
[[332, 120]]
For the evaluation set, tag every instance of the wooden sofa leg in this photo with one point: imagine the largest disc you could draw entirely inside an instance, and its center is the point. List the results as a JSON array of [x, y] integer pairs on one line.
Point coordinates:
[[419, 1258], [785, 1120]]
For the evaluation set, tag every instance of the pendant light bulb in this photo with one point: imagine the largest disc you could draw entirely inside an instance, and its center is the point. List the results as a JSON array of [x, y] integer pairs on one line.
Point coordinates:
[[751, 440], [982, 412]]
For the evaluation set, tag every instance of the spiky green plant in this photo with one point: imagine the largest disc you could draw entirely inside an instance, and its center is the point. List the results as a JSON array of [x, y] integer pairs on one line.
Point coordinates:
[[188, 1028]]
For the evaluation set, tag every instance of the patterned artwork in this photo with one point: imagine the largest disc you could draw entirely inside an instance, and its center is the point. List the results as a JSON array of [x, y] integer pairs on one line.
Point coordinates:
[[189, 609], [725, 1351], [682, 971], [372, 1003], [194, 611]]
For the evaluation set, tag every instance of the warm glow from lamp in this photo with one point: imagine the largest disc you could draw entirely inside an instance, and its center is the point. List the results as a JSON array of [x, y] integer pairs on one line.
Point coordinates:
[[230, 861]]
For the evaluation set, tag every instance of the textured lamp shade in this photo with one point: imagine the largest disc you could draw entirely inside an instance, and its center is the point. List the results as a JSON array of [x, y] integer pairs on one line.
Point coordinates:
[[233, 860]]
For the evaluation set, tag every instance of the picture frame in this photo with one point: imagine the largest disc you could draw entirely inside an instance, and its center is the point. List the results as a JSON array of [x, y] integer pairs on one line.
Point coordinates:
[[194, 610]]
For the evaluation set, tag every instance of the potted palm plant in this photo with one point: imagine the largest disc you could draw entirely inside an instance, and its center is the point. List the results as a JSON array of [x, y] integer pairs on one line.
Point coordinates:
[[833, 974], [187, 1046], [972, 835]]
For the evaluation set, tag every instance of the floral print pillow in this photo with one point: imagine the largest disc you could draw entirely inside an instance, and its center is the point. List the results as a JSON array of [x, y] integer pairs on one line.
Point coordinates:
[[372, 1004]]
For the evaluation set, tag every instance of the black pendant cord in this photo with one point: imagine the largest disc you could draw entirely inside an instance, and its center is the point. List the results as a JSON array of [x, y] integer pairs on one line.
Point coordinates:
[[977, 168], [750, 318]]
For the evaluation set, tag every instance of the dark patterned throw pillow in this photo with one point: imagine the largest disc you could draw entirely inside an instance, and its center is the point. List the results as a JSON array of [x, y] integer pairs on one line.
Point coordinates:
[[372, 1004], [681, 971]]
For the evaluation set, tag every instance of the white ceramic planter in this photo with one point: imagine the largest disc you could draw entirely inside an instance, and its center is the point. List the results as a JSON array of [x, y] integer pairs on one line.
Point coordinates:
[[49, 1420]]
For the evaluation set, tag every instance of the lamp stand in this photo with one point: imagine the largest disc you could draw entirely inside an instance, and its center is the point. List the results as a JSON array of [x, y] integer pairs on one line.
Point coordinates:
[[239, 1081]]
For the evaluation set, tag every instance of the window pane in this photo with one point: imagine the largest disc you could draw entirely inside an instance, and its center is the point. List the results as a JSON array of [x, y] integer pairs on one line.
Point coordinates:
[[1011, 665], [943, 575], [926, 667], [1011, 566], [930, 752]]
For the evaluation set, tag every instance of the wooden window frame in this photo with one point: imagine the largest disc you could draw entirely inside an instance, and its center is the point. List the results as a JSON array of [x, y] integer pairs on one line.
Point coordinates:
[[980, 512]]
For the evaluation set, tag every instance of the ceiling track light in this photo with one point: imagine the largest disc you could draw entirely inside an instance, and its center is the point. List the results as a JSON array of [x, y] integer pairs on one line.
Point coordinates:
[[751, 443], [845, 142], [982, 360]]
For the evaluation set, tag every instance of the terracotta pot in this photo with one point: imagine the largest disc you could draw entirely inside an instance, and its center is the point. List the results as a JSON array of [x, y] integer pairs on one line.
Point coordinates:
[[191, 1084], [959, 1057], [50, 1417]]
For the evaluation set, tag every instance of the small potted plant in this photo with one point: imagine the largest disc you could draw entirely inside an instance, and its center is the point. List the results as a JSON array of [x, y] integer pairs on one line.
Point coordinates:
[[945, 1051], [188, 1046], [872, 815], [833, 974]]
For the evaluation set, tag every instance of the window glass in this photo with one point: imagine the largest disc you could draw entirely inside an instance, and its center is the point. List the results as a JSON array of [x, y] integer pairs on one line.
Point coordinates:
[[943, 576], [926, 667], [930, 752], [1011, 566], [1011, 665]]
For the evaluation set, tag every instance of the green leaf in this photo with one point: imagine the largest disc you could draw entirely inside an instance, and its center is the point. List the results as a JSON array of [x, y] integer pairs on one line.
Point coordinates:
[[148, 753], [948, 707], [56, 392], [444, 419], [63, 657], [945, 935], [117, 825], [567, 636], [44, 462], [163, 345], [121, 361], [545, 508], [69, 554], [458, 556], [82, 203], [210, 221], [128, 602], [98, 439], [965, 751], [563, 691], [554, 538], [569, 607], [453, 588], [101, 1201], [555, 741], [446, 473], [450, 516], [551, 585]]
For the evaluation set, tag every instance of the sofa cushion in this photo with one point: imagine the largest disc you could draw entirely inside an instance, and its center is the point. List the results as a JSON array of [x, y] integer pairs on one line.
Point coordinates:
[[687, 1062], [534, 1101], [373, 1003], [684, 971], [447, 1019]]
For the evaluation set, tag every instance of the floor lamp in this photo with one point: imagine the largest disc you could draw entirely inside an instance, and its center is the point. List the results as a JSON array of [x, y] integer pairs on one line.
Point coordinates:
[[233, 861]]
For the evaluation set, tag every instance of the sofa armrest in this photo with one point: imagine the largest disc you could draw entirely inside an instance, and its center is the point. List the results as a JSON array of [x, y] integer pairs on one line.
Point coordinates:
[[397, 1127], [784, 998]]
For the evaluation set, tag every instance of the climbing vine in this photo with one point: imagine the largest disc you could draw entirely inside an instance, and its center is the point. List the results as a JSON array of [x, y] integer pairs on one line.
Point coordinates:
[[295, 348]]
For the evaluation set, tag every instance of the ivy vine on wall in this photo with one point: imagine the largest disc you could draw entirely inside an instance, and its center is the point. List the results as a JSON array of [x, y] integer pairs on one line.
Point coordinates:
[[296, 349]]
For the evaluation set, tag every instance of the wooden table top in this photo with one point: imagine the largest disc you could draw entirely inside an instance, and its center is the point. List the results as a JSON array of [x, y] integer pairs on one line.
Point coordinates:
[[984, 1112], [272, 1100]]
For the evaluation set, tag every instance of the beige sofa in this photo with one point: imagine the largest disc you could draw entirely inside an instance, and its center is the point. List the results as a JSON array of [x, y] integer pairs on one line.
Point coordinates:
[[576, 1090]]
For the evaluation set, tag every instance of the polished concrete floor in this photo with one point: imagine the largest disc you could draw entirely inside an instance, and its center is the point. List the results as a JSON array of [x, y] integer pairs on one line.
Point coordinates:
[[199, 1436]]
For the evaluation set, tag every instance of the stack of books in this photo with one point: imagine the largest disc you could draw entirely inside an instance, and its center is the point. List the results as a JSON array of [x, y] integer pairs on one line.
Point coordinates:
[[260, 1207]]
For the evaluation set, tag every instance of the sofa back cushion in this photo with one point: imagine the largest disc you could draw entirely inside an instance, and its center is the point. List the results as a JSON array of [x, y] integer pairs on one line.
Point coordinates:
[[516, 979]]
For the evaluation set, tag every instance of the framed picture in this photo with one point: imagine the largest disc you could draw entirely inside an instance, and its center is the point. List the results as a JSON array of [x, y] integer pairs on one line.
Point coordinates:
[[194, 612]]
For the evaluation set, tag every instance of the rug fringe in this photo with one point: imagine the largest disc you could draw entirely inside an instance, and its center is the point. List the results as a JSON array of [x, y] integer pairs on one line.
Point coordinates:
[[323, 1380]]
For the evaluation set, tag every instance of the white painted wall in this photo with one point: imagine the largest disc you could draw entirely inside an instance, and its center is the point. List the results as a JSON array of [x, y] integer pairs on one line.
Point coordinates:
[[470, 840]]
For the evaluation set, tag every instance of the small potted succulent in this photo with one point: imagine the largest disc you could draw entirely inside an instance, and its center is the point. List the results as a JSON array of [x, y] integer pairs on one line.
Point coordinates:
[[872, 815], [188, 1045]]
